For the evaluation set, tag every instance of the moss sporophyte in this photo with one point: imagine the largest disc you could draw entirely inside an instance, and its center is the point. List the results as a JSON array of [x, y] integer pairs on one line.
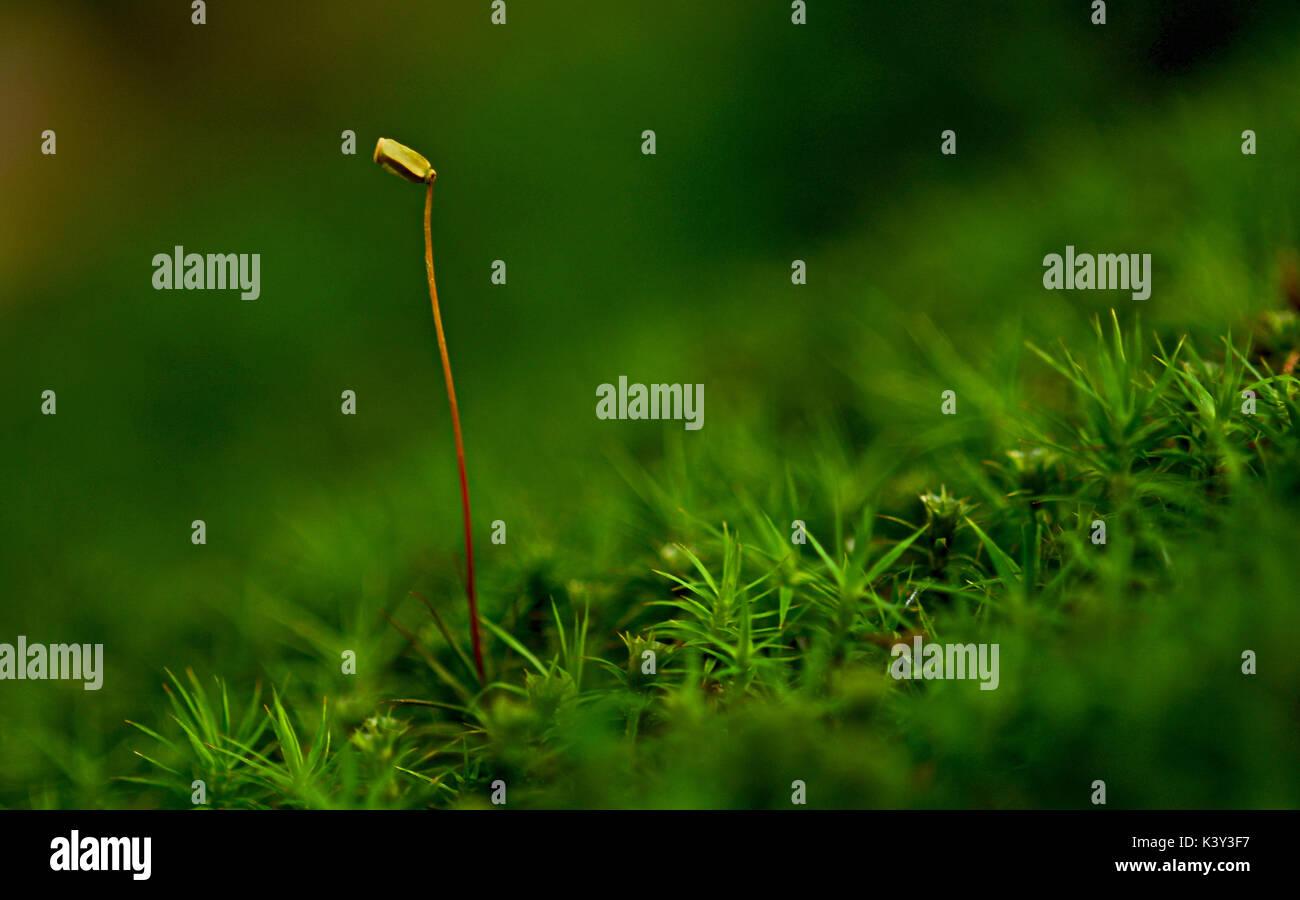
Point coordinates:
[[406, 163]]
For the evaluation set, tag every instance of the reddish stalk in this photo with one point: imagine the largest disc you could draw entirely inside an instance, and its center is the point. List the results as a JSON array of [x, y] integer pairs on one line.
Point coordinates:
[[460, 444]]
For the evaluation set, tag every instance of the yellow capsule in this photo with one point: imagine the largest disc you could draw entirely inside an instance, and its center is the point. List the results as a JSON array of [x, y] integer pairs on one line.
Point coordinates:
[[404, 162]]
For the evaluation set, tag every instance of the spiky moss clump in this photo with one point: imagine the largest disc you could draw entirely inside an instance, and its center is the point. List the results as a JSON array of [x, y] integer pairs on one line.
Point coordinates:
[[768, 658]]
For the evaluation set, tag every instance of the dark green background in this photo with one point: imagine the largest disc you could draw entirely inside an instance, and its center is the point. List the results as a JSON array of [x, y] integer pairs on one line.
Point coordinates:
[[775, 142]]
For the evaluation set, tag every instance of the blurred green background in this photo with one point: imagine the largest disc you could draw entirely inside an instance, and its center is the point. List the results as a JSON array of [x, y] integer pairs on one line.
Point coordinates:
[[775, 143]]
